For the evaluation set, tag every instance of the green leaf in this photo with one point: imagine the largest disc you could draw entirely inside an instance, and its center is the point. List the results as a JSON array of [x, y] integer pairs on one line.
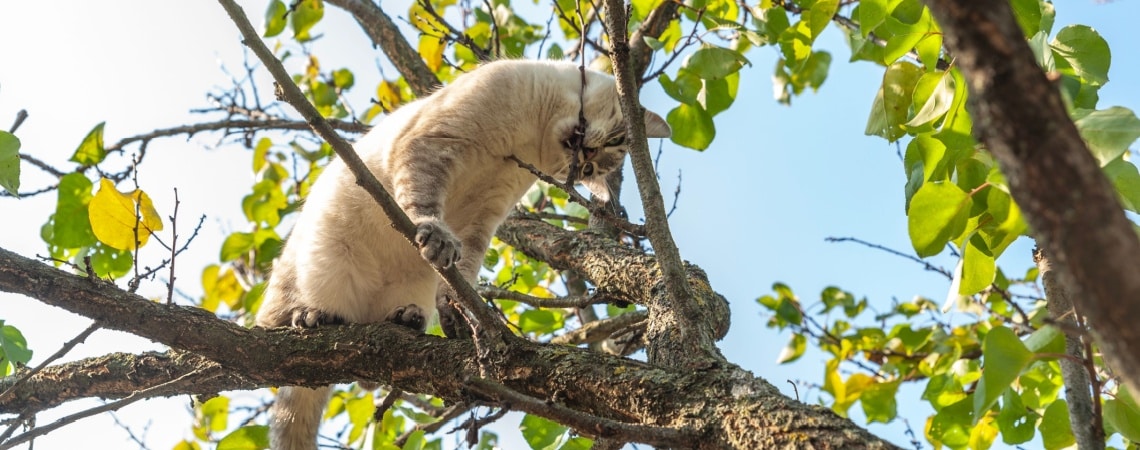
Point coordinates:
[[1056, 430], [275, 18], [215, 413], [1122, 414], [936, 92], [879, 402], [250, 437], [107, 261], [13, 349], [794, 350], [1047, 339], [236, 245], [795, 43], [902, 37], [684, 89], [983, 433], [820, 14], [1028, 15], [91, 151], [1004, 357], [892, 102], [540, 433], [978, 266], [937, 214], [1126, 180], [1014, 420], [872, 13], [713, 63], [692, 126], [540, 321], [304, 16], [718, 95], [343, 78], [1085, 51], [360, 411], [10, 162], [1108, 132], [70, 225]]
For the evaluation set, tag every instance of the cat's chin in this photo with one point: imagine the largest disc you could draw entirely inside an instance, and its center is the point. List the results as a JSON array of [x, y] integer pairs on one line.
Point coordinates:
[[598, 187]]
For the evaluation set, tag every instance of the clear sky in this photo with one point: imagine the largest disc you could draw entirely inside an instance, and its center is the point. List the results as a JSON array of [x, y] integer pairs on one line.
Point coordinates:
[[754, 208]]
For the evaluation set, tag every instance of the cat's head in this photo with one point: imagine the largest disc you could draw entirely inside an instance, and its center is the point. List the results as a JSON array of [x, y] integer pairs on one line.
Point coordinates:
[[604, 145]]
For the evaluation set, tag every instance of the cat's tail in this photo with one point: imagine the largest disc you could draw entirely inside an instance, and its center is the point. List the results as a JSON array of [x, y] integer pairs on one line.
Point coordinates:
[[296, 415]]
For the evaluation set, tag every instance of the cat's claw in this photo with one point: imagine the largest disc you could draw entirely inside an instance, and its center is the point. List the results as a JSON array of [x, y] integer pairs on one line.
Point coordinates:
[[411, 316], [437, 244], [304, 317]]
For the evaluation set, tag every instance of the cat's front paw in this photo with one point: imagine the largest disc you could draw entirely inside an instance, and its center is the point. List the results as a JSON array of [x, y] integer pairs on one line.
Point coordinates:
[[437, 244], [411, 316], [305, 317]]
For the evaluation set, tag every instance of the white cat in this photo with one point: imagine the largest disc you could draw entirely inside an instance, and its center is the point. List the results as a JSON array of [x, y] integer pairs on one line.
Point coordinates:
[[445, 159]]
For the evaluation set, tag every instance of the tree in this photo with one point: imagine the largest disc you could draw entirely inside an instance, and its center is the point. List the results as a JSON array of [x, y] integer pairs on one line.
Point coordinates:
[[995, 375]]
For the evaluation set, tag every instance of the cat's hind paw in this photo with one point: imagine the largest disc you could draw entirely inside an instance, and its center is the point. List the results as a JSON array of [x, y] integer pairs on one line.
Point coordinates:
[[305, 317], [437, 244], [410, 316]]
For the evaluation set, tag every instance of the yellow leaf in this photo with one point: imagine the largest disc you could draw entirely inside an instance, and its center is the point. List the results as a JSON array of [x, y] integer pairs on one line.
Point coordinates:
[[115, 217], [431, 49]]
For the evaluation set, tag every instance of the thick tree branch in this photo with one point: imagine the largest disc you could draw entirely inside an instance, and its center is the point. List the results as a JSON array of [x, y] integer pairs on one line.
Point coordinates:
[[726, 407], [596, 258], [384, 34], [1059, 186]]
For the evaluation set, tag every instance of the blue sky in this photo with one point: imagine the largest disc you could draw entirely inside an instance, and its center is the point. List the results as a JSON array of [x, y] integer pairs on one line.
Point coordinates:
[[754, 208]]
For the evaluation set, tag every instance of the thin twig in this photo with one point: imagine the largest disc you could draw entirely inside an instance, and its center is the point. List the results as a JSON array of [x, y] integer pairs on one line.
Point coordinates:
[[925, 265], [609, 217]]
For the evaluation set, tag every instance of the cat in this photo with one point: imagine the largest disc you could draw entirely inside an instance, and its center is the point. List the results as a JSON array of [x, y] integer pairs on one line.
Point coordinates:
[[445, 159]]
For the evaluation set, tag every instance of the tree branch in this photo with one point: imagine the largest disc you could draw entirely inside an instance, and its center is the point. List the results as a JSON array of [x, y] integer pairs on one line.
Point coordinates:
[[384, 34], [679, 334], [727, 407], [1020, 117]]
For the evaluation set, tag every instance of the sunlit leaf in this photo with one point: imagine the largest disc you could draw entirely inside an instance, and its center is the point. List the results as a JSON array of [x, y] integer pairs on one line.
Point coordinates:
[[1004, 357], [9, 162], [692, 126], [1056, 430], [1016, 423], [879, 402], [937, 103], [274, 18], [249, 437], [1108, 132], [794, 350], [713, 63], [306, 14], [120, 220], [978, 266], [1028, 15], [937, 214], [13, 349], [541, 433], [892, 102], [1123, 414], [1085, 52], [91, 151], [70, 225]]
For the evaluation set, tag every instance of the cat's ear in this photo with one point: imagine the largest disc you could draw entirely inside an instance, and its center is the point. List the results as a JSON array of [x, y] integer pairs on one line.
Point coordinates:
[[655, 126]]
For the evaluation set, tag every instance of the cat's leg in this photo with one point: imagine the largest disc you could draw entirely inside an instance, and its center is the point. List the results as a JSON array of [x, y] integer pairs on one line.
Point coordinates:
[[423, 170], [296, 417], [476, 238]]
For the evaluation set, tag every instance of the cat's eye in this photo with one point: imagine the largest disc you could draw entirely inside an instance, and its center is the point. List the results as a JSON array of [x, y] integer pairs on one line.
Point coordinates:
[[616, 141]]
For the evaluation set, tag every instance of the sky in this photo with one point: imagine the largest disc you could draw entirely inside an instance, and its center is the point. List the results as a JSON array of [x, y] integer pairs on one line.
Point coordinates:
[[754, 208]]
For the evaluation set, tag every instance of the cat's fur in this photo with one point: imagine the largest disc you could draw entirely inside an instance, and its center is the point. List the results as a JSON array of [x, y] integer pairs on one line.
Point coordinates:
[[445, 160]]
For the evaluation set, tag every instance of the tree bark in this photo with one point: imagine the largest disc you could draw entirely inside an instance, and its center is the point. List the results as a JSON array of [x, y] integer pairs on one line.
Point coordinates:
[[1084, 413], [1067, 200], [722, 408]]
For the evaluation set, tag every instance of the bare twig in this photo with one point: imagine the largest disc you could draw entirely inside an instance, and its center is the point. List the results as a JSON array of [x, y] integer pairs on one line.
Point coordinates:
[[494, 292], [21, 115], [925, 265], [601, 330], [608, 216]]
